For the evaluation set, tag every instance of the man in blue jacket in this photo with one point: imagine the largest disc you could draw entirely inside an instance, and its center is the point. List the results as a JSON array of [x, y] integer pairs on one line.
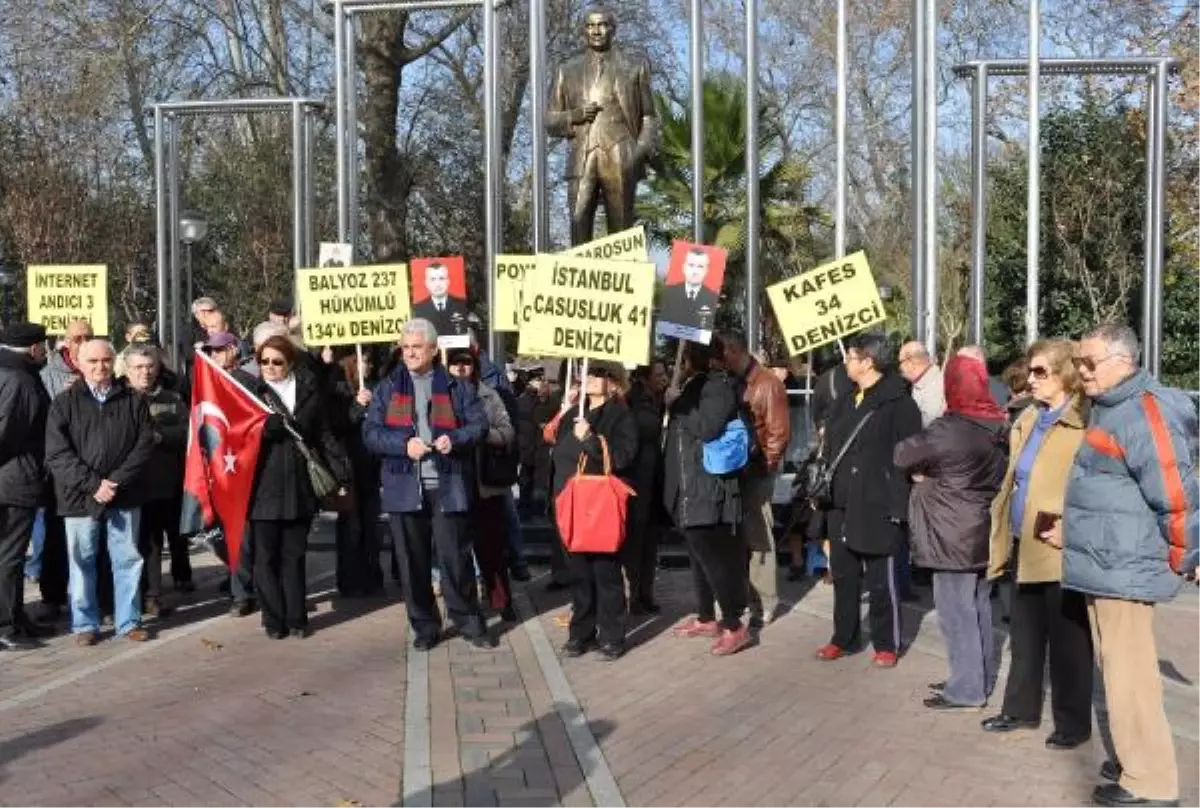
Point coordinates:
[[426, 425], [1130, 537]]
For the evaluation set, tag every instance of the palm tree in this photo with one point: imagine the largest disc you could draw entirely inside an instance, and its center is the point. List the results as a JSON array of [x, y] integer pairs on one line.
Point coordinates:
[[790, 228]]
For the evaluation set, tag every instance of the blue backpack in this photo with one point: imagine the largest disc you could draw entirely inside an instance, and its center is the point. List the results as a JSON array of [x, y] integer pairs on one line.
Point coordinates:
[[731, 451]]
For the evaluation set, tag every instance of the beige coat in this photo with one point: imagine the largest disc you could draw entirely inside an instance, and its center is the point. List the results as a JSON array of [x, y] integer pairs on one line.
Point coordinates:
[[1037, 562]]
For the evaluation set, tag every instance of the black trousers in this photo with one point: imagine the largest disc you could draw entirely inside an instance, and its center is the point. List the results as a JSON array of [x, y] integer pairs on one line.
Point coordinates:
[[597, 597], [279, 577], [55, 568], [180, 548], [851, 572], [430, 534], [718, 562], [639, 554], [159, 526], [16, 529], [358, 569], [1045, 615]]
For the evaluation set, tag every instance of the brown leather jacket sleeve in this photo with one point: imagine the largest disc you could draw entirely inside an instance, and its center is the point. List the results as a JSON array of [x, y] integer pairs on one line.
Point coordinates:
[[767, 399]]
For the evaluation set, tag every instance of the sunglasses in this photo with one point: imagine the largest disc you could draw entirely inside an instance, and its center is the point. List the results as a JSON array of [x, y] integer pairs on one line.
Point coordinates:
[[1039, 372], [460, 363], [1090, 364], [275, 363], [600, 373]]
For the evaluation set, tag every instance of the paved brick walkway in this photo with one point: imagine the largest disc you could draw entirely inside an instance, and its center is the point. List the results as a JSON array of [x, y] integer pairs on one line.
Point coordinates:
[[213, 713]]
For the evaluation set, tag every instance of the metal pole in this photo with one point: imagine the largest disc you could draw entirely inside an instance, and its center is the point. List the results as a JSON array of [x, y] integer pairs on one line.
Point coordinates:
[[1033, 205], [492, 161], [753, 213], [1158, 135], [350, 84], [1148, 237], [190, 274], [160, 207], [839, 129], [917, 175], [537, 115], [339, 100], [297, 189], [310, 214], [979, 90], [930, 219], [697, 68], [173, 225]]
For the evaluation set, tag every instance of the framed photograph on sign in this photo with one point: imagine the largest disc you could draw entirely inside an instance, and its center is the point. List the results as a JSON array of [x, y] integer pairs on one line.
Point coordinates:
[[439, 295], [688, 308], [333, 254]]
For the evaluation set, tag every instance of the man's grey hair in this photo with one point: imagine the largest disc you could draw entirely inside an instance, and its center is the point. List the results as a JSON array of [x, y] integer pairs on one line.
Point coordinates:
[[144, 350], [264, 331], [974, 352], [420, 325], [103, 343], [203, 302], [1120, 339]]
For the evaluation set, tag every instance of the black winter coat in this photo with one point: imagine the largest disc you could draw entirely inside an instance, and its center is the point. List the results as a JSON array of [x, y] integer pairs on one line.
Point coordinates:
[[963, 461], [648, 415], [87, 443], [282, 489], [615, 422], [163, 478], [24, 406], [870, 495], [694, 497], [346, 417]]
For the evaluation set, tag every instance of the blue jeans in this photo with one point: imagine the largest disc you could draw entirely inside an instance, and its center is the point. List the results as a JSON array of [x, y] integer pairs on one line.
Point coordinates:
[[516, 540], [33, 563], [83, 534]]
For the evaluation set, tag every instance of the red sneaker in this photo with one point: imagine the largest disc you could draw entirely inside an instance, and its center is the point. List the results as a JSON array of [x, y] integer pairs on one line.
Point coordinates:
[[886, 659], [830, 652], [730, 642], [695, 627]]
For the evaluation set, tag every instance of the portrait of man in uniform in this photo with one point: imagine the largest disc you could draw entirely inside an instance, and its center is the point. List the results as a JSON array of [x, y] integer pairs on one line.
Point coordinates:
[[439, 296], [601, 102], [688, 307]]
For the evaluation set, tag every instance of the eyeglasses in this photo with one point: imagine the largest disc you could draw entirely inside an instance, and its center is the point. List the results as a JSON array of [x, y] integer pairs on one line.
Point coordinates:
[[599, 373], [275, 363], [1039, 372], [1090, 364], [461, 363]]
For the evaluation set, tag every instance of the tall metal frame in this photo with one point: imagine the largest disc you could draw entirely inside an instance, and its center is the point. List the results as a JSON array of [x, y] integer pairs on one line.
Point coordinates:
[[923, 298], [345, 42], [1157, 70], [167, 192]]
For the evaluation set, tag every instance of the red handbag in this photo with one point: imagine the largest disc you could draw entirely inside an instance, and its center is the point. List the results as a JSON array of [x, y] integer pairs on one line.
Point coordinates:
[[590, 510]]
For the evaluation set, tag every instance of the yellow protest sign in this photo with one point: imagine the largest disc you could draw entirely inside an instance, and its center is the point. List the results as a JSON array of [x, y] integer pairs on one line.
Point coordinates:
[[627, 245], [350, 305], [588, 307], [59, 294], [826, 303], [510, 275]]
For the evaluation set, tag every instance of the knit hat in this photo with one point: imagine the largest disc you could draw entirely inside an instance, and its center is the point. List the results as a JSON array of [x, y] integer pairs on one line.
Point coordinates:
[[23, 335]]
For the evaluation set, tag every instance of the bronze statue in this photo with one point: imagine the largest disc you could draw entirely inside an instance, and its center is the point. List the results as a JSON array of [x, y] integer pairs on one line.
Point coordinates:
[[601, 101]]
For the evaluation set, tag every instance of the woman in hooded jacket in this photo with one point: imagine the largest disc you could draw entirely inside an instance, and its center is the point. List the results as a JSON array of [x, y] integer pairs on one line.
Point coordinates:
[[706, 507], [957, 464]]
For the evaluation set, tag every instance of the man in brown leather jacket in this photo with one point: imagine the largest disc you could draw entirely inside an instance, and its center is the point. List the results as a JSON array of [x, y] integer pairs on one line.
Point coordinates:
[[764, 402]]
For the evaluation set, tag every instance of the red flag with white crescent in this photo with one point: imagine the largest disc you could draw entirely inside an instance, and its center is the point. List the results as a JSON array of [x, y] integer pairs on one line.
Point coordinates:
[[224, 435]]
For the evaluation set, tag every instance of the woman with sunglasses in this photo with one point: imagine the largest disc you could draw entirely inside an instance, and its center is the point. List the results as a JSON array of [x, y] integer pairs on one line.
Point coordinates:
[[1042, 447], [488, 518], [597, 587], [282, 504]]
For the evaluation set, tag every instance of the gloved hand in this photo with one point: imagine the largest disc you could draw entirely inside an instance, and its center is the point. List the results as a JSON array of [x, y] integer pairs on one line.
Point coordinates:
[[275, 428]]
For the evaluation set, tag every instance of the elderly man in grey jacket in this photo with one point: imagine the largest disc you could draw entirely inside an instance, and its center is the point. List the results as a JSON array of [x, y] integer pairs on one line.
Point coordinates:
[[1129, 537]]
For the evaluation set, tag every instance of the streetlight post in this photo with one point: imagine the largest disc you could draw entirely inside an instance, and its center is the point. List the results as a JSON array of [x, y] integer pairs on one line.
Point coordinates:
[[192, 229], [8, 279]]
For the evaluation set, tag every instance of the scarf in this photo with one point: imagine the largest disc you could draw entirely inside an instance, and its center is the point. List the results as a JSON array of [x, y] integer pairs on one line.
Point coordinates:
[[442, 418], [967, 393]]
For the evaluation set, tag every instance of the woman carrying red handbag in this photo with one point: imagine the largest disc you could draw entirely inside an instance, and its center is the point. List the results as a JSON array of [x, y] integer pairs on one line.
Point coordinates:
[[598, 588]]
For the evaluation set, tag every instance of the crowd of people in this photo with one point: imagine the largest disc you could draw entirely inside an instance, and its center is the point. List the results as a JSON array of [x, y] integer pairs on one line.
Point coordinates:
[[1075, 480]]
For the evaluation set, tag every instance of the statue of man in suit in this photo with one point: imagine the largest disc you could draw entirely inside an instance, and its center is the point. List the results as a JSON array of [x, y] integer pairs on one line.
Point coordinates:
[[601, 102]]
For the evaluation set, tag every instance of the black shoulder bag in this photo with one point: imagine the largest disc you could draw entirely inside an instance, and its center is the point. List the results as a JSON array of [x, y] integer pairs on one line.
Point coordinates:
[[816, 482]]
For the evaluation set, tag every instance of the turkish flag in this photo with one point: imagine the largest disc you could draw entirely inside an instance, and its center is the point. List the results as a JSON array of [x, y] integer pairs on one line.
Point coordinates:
[[224, 435]]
